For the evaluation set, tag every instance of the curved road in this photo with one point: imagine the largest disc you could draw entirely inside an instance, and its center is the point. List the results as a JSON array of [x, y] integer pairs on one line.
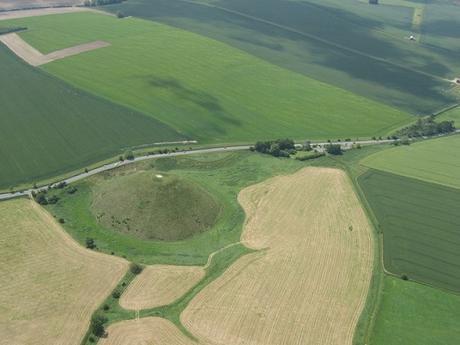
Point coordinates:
[[106, 167]]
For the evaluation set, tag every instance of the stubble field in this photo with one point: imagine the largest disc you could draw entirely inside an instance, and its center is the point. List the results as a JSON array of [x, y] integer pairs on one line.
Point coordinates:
[[50, 285]]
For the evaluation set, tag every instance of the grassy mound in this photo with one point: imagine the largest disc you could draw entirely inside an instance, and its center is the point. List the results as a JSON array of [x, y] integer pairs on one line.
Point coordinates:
[[154, 206]]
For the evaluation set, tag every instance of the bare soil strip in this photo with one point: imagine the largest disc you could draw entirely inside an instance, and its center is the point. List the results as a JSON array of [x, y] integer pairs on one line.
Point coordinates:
[[40, 12], [310, 286], [159, 285], [50, 285], [33, 57]]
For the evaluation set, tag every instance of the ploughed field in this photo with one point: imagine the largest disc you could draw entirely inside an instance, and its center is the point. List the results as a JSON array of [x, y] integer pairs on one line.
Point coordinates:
[[201, 87], [50, 284]]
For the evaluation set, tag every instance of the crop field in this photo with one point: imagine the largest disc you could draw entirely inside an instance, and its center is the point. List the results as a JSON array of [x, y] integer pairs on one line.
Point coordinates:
[[20, 4], [150, 330], [313, 270], [436, 160], [220, 175], [412, 313], [208, 90], [398, 72], [160, 285], [48, 127], [50, 284], [420, 222]]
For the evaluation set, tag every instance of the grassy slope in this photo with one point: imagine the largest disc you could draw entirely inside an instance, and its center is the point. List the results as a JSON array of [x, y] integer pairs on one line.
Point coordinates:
[[420, 222], [48, 128], [451, 115], [291, 34], [224, 175], [412, 313], [154, 207], [206, 89], [436, 160]]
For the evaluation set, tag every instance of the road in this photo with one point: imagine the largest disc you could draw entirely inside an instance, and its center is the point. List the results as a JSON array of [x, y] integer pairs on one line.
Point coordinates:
[[106, 167]]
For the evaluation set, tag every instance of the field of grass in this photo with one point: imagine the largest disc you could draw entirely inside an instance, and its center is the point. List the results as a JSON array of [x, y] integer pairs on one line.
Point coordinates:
[[436, 160], [153, 206], [50, 285], [364, 50], [202, 87], [451, 115], [48, 128], [221, 175], [420, 222], [412, 313]]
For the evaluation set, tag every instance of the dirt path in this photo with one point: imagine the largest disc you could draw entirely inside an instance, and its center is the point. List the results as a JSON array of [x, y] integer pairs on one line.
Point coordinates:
[[33, 57], [42, 12]]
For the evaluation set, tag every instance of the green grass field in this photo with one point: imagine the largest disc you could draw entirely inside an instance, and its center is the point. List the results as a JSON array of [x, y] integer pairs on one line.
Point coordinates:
[[364, 50], [420, 222], [436, 160], [153, 206], [201, 87], [412, 313], [221, 175], [451, 115], [48, 127]]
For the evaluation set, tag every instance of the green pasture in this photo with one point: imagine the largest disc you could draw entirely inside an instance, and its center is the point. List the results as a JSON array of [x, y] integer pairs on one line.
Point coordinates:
[[451, 115], [153, 206], [201, 87], [412, 313], [435, 160], [420, 223], [48, 127], [364, 49], [221, 175]]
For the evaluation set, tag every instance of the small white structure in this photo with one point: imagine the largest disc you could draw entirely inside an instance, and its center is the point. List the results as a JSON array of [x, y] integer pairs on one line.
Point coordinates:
[[412, 37]]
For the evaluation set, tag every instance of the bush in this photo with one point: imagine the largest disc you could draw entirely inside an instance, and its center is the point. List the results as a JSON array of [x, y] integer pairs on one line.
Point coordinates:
[[129, 155], [135, 268], [105, 307], [61, 220], [427, 127], [276, 148], [90, 243], [334, 149], [97, 324], [116, 294], [53, 200], [120, 14], [71, 190], [40, 197], [404, 277]]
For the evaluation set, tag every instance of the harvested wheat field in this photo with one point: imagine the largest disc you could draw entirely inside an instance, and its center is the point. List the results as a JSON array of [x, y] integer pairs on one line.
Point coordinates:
[[50, 285], [310, 284], [147, 331], [159, 285]]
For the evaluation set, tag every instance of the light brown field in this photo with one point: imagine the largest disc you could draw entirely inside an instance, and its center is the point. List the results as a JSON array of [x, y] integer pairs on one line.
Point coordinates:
[[147, 331], [13, 4], [310, 286], [50, 285], [159, 285], [33, 57]]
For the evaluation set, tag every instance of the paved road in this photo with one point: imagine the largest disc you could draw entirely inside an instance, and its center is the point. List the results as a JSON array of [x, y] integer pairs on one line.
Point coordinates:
[[28, 192]]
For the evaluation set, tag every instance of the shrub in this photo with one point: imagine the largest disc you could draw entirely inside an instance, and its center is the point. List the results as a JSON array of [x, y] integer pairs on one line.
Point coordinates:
[[61, 220], [97, 324], [116, 294], [120, 14], [105, 307], [135, 268], [53, 200], [276, 148], [404, 277], [71, 190], [334, 149], [90, 243], [129, 155], [40, 197]]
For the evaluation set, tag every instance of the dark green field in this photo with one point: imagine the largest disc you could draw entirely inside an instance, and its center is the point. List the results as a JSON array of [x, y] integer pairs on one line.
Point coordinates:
[[364, 49], [221, 175], [48, 128], [420, 222]]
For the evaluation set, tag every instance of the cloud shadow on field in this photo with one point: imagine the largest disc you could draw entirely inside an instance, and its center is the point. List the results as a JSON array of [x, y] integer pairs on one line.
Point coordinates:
[[299, 49], [202, 99]]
